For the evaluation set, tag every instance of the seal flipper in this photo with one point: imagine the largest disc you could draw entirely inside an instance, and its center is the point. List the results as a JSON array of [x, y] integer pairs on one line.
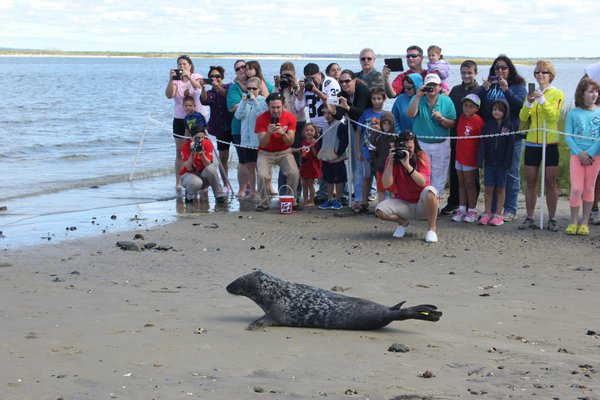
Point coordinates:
[[426, 312], [260, 323]]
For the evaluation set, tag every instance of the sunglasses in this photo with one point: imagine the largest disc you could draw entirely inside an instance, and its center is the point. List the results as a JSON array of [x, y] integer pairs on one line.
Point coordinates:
[[216, 76], [241, 67], [366, 58], [501, 67], [345, 81], [252, 88], [541, 72], [412, 55]]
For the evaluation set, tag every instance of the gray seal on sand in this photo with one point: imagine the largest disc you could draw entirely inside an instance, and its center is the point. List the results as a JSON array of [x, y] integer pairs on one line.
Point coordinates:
[[293, 304]]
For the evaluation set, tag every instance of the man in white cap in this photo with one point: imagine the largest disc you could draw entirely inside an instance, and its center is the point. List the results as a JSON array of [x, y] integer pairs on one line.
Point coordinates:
[[434, 115]]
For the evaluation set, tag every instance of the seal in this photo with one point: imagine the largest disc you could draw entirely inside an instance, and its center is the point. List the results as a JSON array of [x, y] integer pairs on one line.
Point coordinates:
[[293, 304]]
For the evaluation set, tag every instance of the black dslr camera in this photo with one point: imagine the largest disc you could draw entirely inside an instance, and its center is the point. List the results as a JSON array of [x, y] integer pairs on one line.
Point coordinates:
[[309, 84], [285, 81], [400, 149], [197, 145]]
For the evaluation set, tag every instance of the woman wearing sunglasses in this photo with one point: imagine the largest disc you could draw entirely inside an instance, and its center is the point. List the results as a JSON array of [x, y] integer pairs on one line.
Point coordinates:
[[504, 81], [219, 124], [542, 109]]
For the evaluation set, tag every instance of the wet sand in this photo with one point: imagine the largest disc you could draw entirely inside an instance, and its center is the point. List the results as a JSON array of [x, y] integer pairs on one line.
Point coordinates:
[[85, 319]]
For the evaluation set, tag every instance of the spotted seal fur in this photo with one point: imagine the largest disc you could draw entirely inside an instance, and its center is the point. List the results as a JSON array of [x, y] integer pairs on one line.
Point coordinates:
[[294, 304]]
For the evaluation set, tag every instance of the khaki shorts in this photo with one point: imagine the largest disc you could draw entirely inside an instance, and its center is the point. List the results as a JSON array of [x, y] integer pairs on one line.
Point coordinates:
[[404, 209]]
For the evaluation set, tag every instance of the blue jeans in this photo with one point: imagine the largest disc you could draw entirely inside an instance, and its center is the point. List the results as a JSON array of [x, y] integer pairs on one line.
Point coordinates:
[[513, 180], [357, 170]]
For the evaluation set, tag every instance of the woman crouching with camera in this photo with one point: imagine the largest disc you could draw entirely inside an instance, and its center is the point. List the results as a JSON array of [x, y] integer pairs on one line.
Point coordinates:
[[409, 169]]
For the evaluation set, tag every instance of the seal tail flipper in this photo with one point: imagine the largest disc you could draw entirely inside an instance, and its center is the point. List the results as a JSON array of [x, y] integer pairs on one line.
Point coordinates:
[[260, 323], [426, 312], [397, 306]]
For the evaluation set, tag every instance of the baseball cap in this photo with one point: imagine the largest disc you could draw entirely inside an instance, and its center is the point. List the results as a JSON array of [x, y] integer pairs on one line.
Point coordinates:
[[474, 98], [432, 78]]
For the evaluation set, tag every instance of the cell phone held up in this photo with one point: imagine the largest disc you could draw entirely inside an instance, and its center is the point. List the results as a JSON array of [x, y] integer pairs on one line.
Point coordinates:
[[275, 120], [394, 64], [177, 76], [493, 79], [530, 88]]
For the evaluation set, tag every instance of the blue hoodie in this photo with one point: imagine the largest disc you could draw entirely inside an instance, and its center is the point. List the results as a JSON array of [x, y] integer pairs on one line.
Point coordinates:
[[497, 150], [401, 104]]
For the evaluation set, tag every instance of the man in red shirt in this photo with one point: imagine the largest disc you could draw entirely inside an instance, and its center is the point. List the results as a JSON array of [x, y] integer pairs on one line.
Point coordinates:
[[414, 60], [276, 130], [198, 170]]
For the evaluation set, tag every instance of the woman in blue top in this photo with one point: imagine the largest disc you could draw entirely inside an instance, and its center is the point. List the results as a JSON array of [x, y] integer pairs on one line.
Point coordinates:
[[583, 123], [504, 81], [411, 83]]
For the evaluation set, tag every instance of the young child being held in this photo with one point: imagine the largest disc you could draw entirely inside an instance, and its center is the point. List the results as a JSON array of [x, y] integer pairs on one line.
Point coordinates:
[[310, 167], [192, 116], [382, 142], [363, 136], [469, 124], [437, 64], [495, 155]]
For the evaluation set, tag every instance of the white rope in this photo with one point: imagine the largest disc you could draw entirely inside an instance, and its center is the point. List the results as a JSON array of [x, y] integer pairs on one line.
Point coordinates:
[[137, 155]]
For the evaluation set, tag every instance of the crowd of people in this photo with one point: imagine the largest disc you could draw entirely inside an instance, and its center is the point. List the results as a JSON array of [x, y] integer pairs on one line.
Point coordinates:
[[433, 135]]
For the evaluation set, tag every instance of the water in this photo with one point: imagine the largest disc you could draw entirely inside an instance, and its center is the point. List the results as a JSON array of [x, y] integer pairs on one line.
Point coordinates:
[[71, 127]]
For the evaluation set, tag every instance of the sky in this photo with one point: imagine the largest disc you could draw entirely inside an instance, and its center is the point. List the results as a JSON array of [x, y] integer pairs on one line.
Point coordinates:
[[476, 28]]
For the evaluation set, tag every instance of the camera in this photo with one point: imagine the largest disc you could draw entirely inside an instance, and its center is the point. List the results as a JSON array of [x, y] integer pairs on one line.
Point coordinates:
[[197, 145], [493, 79], [309, 84], [274, 120], [285, 81], [178, 73], [400, 148], [428, 89]]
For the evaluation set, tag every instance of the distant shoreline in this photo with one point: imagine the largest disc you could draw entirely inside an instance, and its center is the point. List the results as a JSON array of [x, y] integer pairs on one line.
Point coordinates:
[[117, 54]]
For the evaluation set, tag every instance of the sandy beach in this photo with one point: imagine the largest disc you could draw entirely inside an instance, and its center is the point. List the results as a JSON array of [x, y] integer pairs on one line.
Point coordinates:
[[85, 319]]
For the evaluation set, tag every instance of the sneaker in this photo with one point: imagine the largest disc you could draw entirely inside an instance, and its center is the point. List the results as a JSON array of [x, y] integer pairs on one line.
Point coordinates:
[[595, 217], [470, 217], [449, 209], [336, 204], [484, 219], [528, 223], [372, 196], [552, 226], [496, 220], [431, 237], [508, 216], [400, 231], [459, 216], [326, 205]]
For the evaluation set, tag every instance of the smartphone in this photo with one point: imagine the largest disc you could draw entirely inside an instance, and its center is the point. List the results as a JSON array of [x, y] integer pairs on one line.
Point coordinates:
[[333, 100], [531, 87], [394, 64], [275, 120], [207, 81], [178, 73], [493, 79]]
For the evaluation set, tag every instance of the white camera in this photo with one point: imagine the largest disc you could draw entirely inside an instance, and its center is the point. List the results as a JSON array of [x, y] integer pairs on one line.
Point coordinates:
[[333, 100]]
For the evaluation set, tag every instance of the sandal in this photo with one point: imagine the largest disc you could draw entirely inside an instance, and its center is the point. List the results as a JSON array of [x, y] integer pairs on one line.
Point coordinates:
[[261, 207], [571, 229], [583, 230], [360, 208]]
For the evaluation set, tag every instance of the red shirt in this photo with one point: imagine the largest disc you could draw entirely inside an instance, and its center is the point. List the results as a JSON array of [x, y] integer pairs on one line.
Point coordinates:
[[276, 143], [405, 187], [466, 149], [186, 153], [398, 84]]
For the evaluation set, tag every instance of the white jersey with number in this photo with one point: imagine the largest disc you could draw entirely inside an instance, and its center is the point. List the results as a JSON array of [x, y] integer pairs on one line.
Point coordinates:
[[315, 104]]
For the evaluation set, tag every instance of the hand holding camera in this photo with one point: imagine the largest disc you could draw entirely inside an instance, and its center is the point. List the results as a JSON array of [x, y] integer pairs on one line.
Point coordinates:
[[309, 84], [196, 146], [176, 74]]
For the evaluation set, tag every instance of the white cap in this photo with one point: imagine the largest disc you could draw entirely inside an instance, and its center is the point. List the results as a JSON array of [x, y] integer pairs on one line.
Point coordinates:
[[432, 78]]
